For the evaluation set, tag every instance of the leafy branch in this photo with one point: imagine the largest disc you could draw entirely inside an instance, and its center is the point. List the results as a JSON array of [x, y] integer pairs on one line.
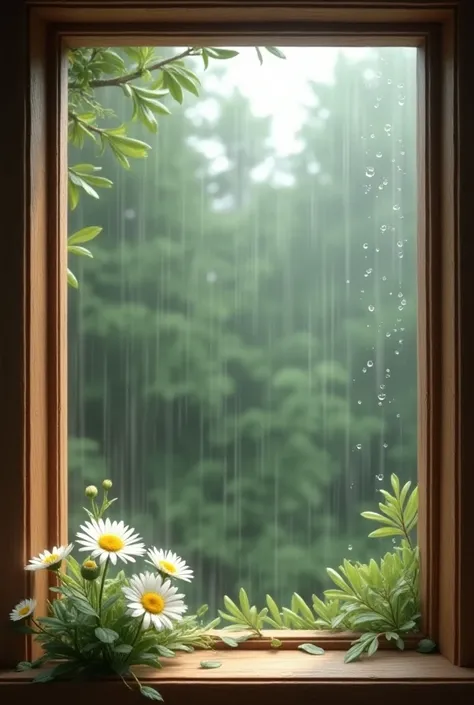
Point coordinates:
[[381, 600], [92, 69]]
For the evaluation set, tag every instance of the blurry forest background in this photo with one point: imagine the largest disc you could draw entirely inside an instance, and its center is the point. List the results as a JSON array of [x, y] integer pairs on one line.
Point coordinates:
[[242, 348]]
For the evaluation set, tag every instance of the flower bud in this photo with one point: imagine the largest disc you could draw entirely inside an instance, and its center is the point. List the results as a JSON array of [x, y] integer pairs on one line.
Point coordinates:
[[90, 570], [107, 484], [92, 491]]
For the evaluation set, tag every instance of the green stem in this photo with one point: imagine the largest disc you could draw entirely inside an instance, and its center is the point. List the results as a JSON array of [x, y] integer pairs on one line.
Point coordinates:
[[102, 584], [120, 80], [138, 631]]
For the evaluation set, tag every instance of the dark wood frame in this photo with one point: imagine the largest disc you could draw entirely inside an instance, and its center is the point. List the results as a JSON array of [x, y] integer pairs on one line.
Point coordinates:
[[33, 296]]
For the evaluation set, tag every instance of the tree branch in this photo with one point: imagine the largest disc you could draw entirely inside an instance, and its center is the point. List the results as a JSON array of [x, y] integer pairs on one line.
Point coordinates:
[[120, 80]]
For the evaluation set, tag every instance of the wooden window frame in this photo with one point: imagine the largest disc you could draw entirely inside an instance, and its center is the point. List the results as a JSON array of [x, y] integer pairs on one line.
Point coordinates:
[[33, 309]]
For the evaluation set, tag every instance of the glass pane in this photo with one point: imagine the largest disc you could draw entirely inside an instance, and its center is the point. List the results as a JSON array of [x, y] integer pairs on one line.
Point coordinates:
[[242, 346]]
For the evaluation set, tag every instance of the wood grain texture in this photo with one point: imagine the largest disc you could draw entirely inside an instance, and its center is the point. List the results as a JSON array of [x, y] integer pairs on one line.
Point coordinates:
[[32, 304], [279, 678]]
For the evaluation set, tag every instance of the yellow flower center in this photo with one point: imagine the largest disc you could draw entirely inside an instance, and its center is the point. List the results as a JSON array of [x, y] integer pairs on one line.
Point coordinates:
[[167, 566], [23, 610], [53, 558], [92, 565], [153, 602], [111, 543]]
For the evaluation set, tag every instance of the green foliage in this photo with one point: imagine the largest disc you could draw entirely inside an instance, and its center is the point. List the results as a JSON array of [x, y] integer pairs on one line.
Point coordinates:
[[145, 78], [381, 600]]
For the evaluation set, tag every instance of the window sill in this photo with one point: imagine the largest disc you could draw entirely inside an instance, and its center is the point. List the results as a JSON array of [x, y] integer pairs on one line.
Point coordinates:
[[279, 678]]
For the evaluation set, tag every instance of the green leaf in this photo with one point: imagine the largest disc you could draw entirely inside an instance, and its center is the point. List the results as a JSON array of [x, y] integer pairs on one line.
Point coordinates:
[[107, 604], [274, 611], [276, 52], [84, 235], [202, 610], [78, 250], [165, 652], [205, 58], [73, 194], [373, 646], [84, 607], [395, 482], [386, 531], [106, 636], [173, 86], [216, 53], [211, 664], [311, 649], [71, 279], [426, 646], [24, 666], [128, 146], [232, 608], [303, 608], [123, 649], [374, 516], [355, 651], [259, 54], [336, 578], [150, 693], [229, 641]]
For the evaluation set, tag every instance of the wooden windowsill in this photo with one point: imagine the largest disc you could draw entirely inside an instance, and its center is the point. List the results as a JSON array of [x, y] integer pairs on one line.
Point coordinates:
[[277, 677]]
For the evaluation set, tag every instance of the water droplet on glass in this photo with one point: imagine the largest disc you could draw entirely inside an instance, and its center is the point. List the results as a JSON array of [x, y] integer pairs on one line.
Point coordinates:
[[389, 81], [401, 99], [129, 214], [359, 402], [371, 308], [397, 352], [364, 370], [382, 386], [387, 335], [399, 243], [211, 277], [359, 446], [348, 281], [349, 548], [379, 155], [403, 302], [370, 363], [379, 477], [385, 445], [365, 245], [372, 136], [369, 271], [384, 279], [398, 416], [387, 127], [385, 181], [370, 171], [382, 396], [383, 228], [396, 207], [400, 85]]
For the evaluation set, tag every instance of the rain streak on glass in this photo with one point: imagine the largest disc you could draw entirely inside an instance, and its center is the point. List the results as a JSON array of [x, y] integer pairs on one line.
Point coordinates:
[[241, 363]]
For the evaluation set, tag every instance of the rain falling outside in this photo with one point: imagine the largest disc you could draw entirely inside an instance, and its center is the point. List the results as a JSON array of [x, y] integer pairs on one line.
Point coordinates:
[[242, 346]]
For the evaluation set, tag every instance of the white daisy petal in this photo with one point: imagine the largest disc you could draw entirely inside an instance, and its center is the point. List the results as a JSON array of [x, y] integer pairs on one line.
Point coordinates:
[[169, 563], [152, 599], [22, 610], [110, 540], [49, 559]]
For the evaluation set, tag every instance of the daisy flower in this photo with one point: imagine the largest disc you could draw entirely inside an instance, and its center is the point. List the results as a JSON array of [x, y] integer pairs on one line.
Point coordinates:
[[110, 539], [154, 600], [169, 563], [50, 559], [22, 610]]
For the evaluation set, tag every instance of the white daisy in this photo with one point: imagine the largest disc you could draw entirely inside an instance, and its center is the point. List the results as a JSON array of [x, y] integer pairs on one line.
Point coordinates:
[[50, 559], [155, 600], [169, 563], [22, 610], [110, 539]]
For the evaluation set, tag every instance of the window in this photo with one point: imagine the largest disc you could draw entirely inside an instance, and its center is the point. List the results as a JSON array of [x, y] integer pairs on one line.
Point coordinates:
[[242, 348], [33, 287]]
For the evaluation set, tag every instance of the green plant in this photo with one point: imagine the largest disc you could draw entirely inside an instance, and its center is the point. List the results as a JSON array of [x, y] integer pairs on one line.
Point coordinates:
[[101, 625], [145, 79], [380, 600]]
